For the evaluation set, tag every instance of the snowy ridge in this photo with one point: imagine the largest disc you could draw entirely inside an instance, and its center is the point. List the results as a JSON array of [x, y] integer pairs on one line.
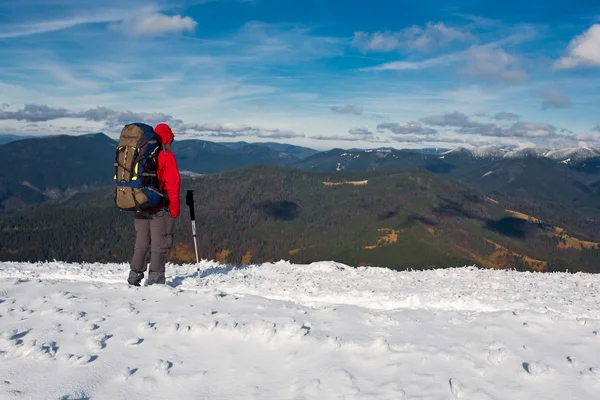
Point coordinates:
[[488, 152], [579, 154], [279, 331], [574, 154]]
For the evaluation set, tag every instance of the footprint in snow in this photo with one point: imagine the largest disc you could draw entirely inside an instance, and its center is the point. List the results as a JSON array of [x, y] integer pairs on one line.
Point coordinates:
[[35, 351], [91, 327], [78, 360], [128, 373], [98, 342], [15, 336], [536, 368], [164, 366], [148, 326], [135, 341], [175, 327], [495, 357], [80, 316], [455, 387], [77, 396]]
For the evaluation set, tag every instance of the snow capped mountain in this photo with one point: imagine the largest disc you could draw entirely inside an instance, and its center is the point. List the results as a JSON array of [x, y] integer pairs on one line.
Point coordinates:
[[458, 150], [574, 154], [285, 331], [579, 154], [529, 152], [488, 152]]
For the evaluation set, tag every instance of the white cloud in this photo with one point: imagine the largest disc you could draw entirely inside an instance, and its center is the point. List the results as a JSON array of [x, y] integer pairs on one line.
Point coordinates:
[[416, 38], [530, 130], [115, 118], [34, 113], [480, 21], [433, 35], [414, 139], [451, 119], [376, 42], [489, 62], [554, 97], [275, 43], [90, 15], [442, 61], [472, 95], [587, 137], [465, 125], [494, 64], [406, 128], [502, 116], [353, 138], [237, 130], [584, 50], [360, 131], [278, 134], [347, 110], [51, 26], [111, 118], [155, 25]]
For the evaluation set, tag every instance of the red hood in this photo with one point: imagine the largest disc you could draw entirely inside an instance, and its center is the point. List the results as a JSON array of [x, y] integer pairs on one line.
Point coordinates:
[[164, 133]]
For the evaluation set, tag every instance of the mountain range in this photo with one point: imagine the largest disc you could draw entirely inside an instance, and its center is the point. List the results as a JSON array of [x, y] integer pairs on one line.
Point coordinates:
[[46, 168], [538, 209]]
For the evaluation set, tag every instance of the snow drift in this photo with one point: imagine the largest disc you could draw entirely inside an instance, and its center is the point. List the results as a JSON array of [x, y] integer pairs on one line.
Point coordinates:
[[284, 331]]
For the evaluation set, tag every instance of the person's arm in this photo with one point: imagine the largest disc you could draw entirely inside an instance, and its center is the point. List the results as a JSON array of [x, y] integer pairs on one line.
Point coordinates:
[[172, 184]]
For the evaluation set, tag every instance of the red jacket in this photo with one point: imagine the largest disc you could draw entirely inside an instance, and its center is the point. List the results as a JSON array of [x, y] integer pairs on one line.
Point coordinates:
[[167, 171]]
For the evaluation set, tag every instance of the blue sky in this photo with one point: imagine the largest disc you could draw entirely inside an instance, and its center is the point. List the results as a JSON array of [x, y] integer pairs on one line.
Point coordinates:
[[317, 73]]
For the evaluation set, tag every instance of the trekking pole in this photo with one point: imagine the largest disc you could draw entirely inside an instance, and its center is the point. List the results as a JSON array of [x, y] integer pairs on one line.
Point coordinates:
[[189, 200]]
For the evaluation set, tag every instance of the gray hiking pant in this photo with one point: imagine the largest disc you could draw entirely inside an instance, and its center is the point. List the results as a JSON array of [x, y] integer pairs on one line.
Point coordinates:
[[153, 242]]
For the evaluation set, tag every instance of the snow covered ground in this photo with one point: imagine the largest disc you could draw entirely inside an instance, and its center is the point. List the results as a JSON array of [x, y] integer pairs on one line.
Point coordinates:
[[284, 331]]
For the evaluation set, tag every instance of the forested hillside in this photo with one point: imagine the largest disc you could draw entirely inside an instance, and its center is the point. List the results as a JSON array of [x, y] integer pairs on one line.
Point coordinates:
[[409, 219]]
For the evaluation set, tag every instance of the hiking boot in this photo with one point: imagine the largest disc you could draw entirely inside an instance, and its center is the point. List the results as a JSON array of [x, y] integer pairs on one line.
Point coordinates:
[[135, 278], [156, 277]]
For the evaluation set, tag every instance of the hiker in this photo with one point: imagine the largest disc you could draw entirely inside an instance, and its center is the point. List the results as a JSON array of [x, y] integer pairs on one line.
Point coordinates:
[[154, 228]]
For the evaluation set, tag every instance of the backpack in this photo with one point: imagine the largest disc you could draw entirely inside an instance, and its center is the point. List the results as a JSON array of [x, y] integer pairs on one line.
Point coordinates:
[[135, 169]]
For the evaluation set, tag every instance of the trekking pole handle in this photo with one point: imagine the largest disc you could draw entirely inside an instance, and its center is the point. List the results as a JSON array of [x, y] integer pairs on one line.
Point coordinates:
[[189, 200]]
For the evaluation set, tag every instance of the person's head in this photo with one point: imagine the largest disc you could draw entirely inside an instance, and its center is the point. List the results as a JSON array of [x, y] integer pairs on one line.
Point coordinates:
[[165, 134]]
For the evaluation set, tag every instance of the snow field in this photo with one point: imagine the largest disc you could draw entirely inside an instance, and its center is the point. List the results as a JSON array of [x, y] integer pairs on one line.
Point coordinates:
[[284, 331]]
